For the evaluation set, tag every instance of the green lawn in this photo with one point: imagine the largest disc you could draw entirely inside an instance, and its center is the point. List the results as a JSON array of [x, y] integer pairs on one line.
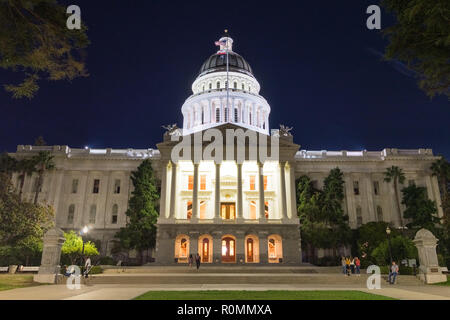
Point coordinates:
[[12, 281], [260, 295]]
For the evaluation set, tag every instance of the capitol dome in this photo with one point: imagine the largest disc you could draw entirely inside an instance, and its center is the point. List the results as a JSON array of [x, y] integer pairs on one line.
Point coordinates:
[[218, 62]]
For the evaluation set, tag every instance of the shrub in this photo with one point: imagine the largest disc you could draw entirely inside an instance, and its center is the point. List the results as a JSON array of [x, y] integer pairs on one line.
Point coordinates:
[[107, 261], [328, 261], [401, 248], [96, 270]]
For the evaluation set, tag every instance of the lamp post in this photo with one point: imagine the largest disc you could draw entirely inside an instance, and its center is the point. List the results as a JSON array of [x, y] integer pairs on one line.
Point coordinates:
[[388, 232], [83, 231]]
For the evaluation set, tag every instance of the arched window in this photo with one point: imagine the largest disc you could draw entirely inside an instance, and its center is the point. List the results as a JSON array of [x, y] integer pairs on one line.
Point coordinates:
[[250, 118], [359, 219], [217, 114], [92, 214], [203, 116], [380, 214], [250, 250], [272, 249], [71, 214], [243, 87], [115, 211], [236, 113], [210, 86], [218, 85], [183, 248], [226, 114], [203, 88], [235, 85]]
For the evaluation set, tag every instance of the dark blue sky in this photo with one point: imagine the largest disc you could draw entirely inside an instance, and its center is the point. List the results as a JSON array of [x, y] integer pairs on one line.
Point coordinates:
[[317, 63]]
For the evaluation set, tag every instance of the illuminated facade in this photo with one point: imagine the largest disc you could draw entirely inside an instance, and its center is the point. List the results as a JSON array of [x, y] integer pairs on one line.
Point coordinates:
[[228, 211]]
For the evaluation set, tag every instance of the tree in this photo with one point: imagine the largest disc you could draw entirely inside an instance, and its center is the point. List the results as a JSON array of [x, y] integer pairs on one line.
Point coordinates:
[[8, 164], [401, 248], [421, 210], [43, 162], [22, 224], [142, 213], [72, 249], [35, 41], [441, 169], [420, 40], [24, 167], [395, 174]]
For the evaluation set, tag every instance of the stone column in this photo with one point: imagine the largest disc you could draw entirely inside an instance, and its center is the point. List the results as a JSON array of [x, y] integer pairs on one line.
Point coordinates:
[[173, 188], [195, 194], [163, 200], [429, 270], [283, 190], [193, 243], [51, 255], [240, 247], [372, 215], [240, 212], [292, 190], [217, 194], [263, 257], [261, 191], [217, 247]]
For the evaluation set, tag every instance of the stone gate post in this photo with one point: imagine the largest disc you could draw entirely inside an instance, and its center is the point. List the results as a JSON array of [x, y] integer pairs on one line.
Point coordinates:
[[51, 256]]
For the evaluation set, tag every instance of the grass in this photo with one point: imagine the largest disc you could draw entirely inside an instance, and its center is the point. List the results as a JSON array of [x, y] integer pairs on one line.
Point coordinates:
[[13, 281], [261, 295]]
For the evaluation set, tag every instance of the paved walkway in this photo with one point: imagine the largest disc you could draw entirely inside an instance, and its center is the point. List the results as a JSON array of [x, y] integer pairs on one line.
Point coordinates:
[[125, 292]]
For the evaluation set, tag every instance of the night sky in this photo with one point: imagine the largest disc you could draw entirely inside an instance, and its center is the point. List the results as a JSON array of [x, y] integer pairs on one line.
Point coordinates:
[[319, 68]]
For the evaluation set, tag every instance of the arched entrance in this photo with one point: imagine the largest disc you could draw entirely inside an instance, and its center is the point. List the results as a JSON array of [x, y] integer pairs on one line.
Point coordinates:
[[228, 249], [250, 250], [205, 248]]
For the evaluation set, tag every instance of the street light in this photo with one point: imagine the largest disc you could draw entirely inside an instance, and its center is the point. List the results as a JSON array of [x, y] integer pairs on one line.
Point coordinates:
[[388, 232], [83, 231]]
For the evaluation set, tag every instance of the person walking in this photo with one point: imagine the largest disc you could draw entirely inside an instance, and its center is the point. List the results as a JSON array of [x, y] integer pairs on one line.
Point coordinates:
[[347, 266], [344, 266], [393, 273], [358, 266], [352, 266], [191, 260], [87, 267], [197, 261]]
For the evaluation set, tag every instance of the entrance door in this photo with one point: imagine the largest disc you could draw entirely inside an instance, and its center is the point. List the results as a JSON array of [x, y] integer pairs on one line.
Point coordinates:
[[249, 250], [228, 250], [228, 210], [205, 250]]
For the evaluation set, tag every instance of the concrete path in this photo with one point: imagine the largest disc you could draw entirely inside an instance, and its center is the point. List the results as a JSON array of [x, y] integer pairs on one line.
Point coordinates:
[[125, 292]]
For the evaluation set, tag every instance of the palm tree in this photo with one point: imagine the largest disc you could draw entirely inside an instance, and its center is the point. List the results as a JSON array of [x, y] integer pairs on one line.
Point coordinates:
[[7, 164], [25, 167], [43, 162], [396, 175], [441, 169]]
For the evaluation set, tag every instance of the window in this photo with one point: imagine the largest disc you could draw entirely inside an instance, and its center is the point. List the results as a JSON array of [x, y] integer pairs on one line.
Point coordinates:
[[202, 209], [376, 188], [189, 210], [117, 186], [380, 214], [356, 187], [74, 185], [190, 182], [71, 214], [96, 187], [203, 117], [252, 183], [183, 248], [226, 114], [202, 182], [218, 85], [250, 118], [265, 183], [115, 210], [243, 87], [252, 210], [411, 182], [210, 86], [217, 114], [272, 249], [92, 214], [236, 115], [359, 220], [235, 85], [266, 209]]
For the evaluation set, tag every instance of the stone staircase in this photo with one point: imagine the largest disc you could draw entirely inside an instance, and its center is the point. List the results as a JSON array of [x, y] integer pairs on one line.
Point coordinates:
[[305, 275]]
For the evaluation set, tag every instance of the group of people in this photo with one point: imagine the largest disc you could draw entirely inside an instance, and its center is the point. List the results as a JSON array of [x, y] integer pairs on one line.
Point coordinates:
[[351, 266], [197, 260], [87, 267]]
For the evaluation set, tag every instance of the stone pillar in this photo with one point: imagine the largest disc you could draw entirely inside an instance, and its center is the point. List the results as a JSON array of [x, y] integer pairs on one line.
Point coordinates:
[[262, 216], [195, 194], [217, 247], [51, 256], [240, 212], [163, 200], [193, 243], [217, 194], [263, 257], [240, 247], [293, 191], [283, 190], [173, 188], [429, 270]]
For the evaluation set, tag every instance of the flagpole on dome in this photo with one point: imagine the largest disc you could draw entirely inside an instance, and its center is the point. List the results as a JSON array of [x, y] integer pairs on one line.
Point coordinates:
[[228, 82]]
